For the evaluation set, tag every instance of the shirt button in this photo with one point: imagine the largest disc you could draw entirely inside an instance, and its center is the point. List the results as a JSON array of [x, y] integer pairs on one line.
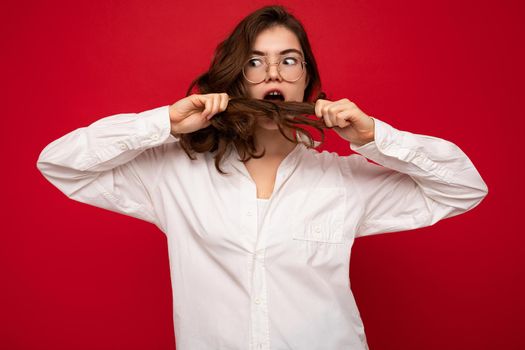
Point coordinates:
[[249, 213], [123, 146], [257, 301], [317, 229], [154, 137]]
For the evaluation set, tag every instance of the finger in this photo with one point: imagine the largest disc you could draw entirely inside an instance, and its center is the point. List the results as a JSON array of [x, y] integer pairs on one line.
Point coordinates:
[[327, 121], [218, 103], [199, 100], [341, 118], [207, 109], [318, 107], [327, 114], [224, 101], [332, 110], [215, 106]]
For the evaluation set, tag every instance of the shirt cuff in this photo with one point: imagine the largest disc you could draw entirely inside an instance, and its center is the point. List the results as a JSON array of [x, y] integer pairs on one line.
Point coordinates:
[[384, 134], [158, 125]]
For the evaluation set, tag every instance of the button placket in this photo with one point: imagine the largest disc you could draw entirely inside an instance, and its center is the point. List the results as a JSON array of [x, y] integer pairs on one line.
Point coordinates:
[[122, 145], [260, 327], [259, 312], [247, 213]]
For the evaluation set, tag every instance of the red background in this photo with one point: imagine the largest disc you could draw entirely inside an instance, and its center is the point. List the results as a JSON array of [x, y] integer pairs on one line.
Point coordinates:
[[78, 277]]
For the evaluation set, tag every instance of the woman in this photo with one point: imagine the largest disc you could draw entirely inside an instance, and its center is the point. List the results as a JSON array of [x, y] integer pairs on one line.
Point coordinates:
[[259, 254]]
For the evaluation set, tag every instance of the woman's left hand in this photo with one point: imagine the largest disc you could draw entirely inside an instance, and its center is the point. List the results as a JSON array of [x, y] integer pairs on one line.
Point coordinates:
[[347, 120]]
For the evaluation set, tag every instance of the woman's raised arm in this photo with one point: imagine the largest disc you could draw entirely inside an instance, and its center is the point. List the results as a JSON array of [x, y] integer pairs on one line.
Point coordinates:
[[420, 180], [112, 163]]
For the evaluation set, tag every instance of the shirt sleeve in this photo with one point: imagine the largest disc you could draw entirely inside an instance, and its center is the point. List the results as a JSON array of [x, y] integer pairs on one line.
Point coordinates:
[[112, 163], [417, 181]]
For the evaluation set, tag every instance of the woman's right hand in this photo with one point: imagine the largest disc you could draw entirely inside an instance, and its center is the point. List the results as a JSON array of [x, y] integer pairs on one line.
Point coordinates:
[[194, 112]]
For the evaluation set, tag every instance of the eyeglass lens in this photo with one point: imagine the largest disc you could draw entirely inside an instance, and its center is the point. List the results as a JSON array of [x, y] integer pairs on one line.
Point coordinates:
[[290, 68]]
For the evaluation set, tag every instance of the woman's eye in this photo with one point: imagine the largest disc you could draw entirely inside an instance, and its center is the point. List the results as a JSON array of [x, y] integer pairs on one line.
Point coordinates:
[[290, 60], [255, 62]]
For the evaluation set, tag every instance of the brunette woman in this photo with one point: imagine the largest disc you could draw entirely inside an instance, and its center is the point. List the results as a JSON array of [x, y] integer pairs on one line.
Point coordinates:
[[259, 224]]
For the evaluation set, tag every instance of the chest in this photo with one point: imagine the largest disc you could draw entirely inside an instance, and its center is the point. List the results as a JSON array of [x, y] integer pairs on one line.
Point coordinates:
[[263, 174], [310, 203]]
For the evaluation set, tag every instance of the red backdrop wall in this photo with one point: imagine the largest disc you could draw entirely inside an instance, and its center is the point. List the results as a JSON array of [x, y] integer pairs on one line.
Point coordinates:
[[78, 277]]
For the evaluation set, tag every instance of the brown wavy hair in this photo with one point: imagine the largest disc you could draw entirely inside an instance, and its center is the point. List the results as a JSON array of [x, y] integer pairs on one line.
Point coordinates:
[[237, 124]]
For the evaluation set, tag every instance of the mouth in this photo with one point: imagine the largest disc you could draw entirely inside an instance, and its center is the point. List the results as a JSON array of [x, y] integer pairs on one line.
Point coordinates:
[[275, 95]]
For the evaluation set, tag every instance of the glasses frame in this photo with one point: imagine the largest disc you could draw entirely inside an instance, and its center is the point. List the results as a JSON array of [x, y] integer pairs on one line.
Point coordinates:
[[268, 65]]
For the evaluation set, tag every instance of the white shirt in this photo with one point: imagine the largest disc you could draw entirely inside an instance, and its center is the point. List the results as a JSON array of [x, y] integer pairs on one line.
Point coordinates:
[[280, 281], [262, 208]]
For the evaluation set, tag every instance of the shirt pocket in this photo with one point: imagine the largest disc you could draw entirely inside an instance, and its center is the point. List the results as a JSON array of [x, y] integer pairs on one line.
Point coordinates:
[[319, 215]]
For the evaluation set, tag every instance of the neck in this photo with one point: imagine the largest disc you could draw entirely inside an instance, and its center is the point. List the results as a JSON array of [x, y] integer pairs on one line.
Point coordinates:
[[275, 144]]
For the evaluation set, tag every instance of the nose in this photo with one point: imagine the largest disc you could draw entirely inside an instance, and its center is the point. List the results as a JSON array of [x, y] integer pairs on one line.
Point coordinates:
[[273, 72]]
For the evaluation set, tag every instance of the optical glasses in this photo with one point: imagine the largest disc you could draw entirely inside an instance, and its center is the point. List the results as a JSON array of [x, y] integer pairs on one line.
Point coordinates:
[[290, 68]]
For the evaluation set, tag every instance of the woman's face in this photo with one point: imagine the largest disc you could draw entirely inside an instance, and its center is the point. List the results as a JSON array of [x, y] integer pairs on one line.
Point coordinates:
[[271, 42]]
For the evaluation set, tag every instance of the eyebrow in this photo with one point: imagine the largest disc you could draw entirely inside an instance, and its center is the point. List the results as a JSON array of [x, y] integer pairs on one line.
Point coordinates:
[[280, 53]]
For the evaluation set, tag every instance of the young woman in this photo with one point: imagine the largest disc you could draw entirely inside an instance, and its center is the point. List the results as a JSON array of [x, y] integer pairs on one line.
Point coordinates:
[[259, 253]]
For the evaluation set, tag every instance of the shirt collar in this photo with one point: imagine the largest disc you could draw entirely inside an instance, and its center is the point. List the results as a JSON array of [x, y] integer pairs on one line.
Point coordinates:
[[289, 162]]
